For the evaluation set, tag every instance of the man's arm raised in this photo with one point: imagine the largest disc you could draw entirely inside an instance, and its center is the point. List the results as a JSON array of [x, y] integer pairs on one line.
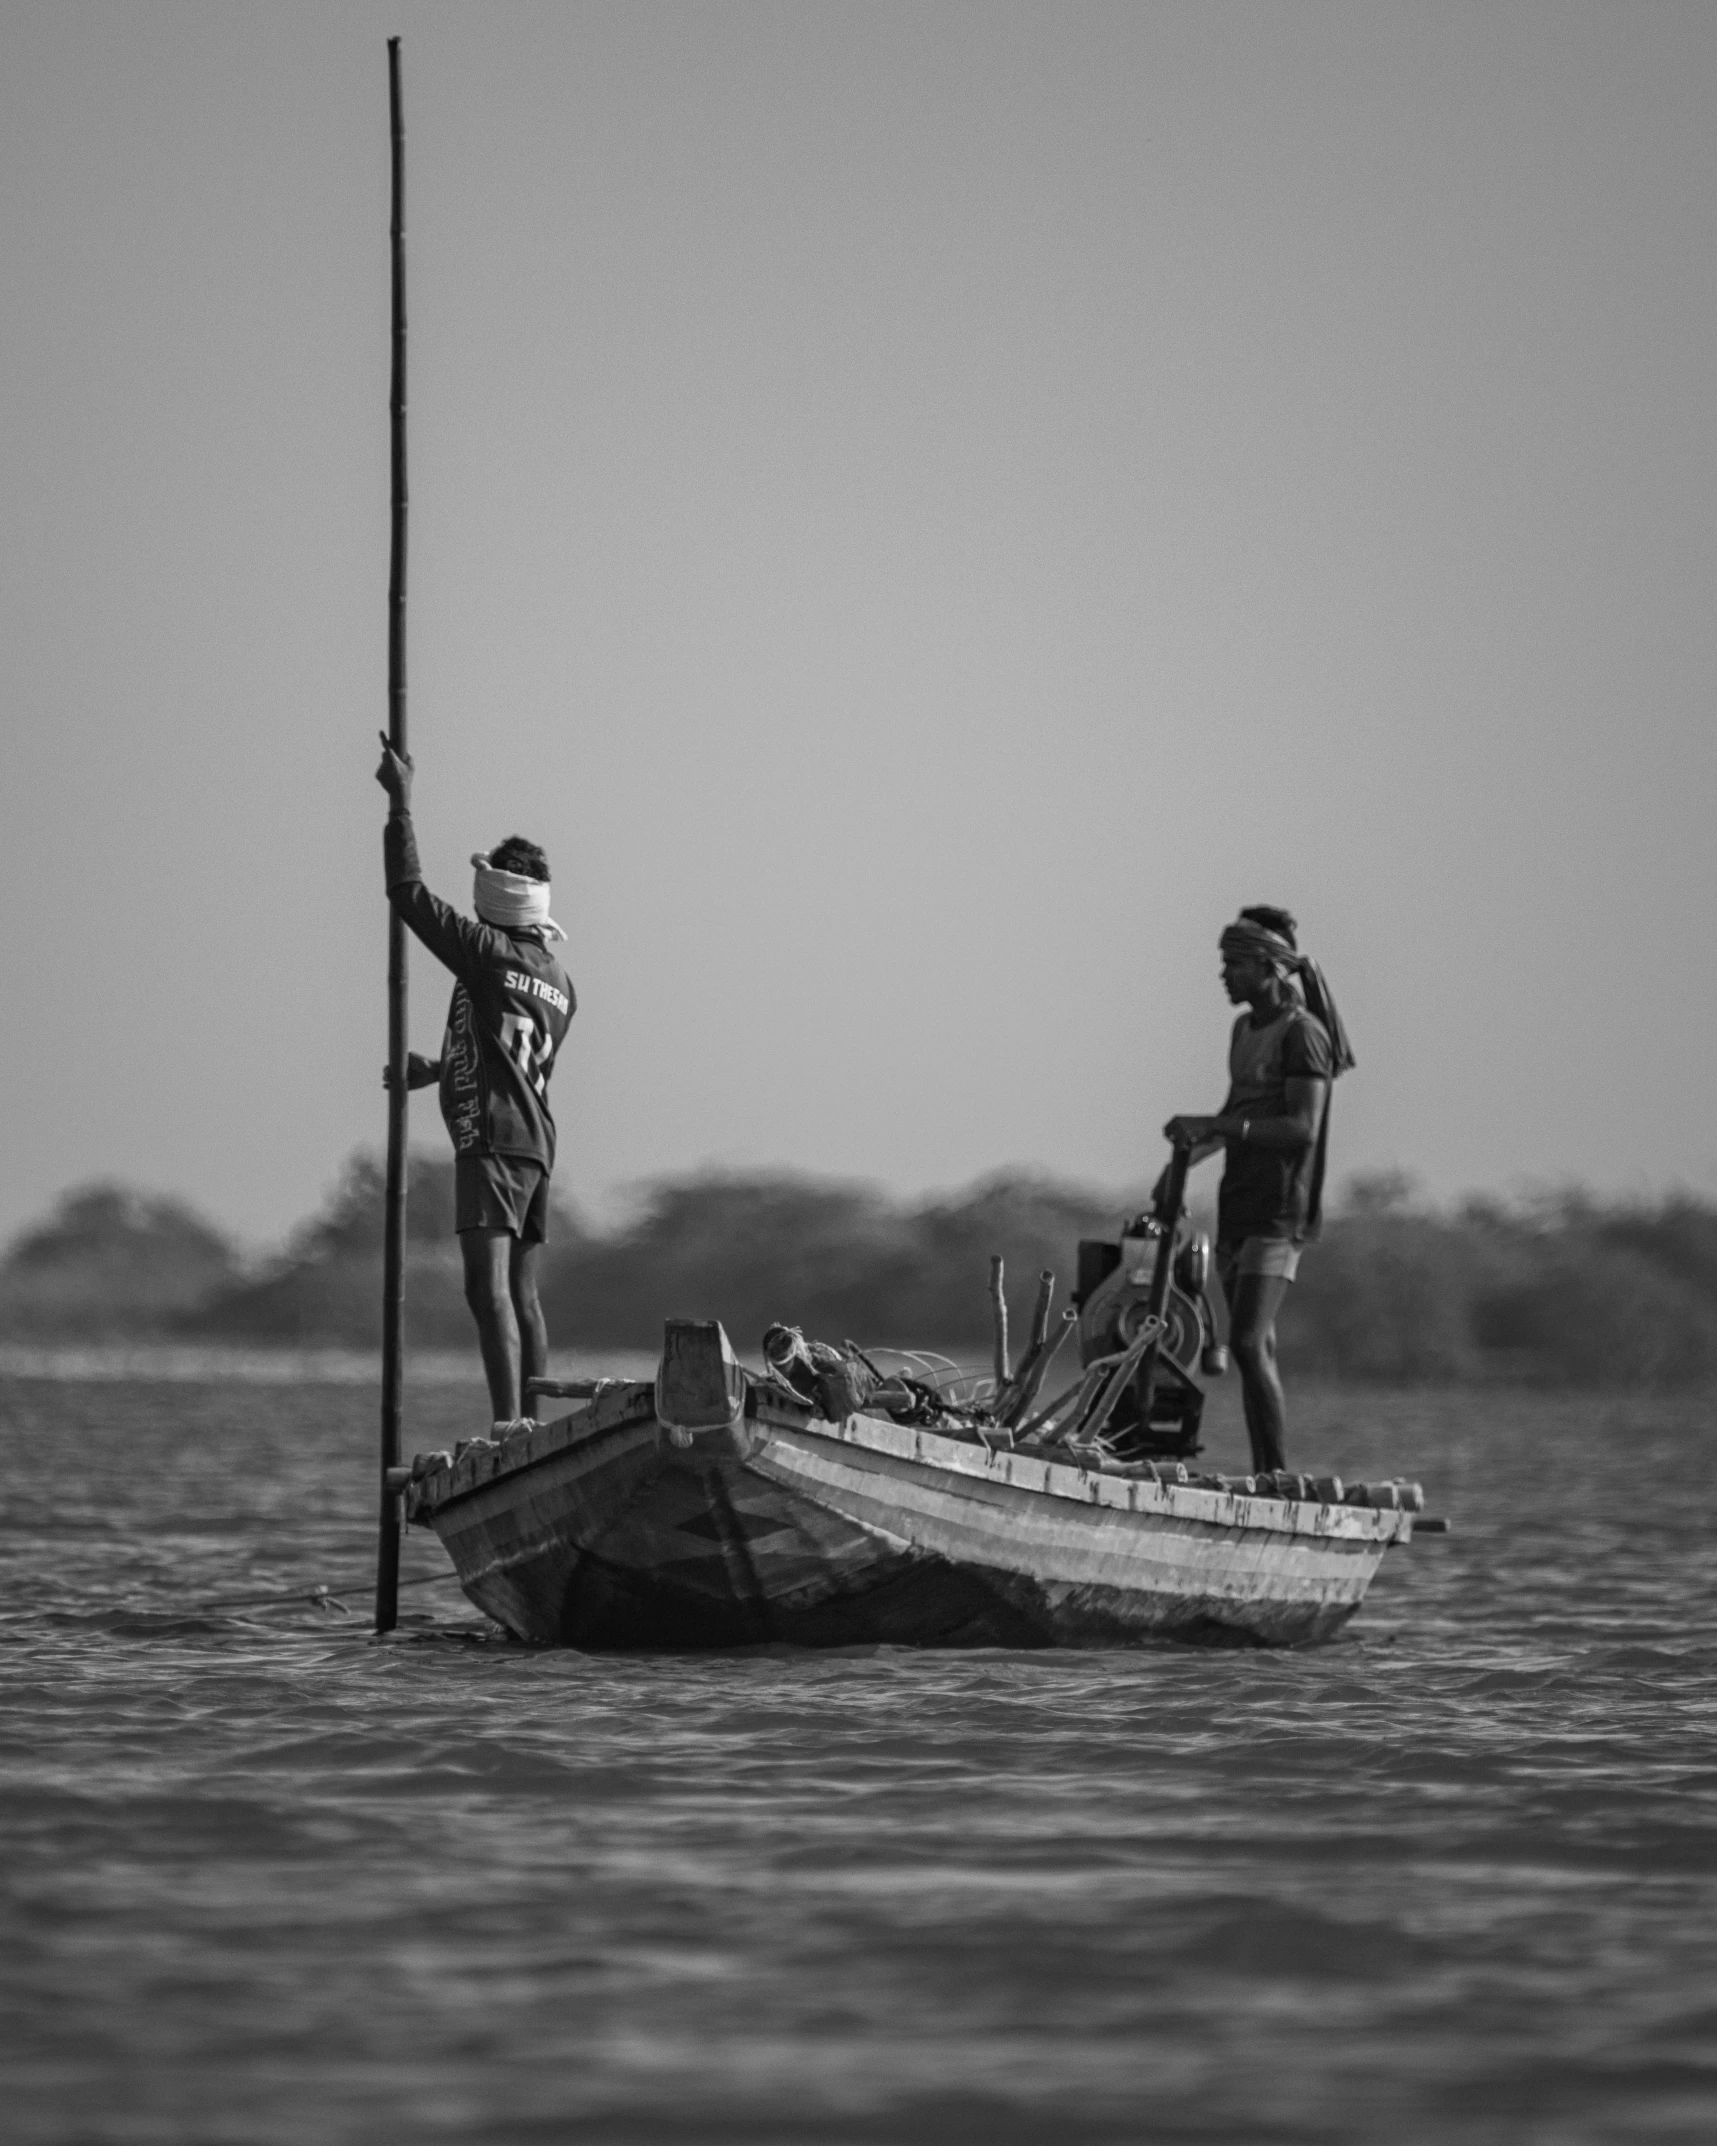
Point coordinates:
[[452, 939]]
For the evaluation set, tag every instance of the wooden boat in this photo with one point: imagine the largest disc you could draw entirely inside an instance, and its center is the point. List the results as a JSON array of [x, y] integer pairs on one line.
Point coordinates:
[[713, 1508]]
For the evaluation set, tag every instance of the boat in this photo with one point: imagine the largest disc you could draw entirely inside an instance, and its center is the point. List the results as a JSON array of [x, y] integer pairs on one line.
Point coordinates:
[[716, 1506]]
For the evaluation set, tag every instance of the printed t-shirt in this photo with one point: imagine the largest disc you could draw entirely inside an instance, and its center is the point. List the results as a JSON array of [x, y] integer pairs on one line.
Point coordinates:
[[511, 1006], [1273, 1192]]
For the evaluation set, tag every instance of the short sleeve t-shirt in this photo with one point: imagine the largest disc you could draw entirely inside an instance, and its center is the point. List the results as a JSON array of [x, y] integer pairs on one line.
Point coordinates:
[[1273, 1192]]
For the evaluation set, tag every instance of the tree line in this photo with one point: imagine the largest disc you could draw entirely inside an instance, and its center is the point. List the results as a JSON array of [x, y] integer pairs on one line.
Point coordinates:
[[1559, 1289]]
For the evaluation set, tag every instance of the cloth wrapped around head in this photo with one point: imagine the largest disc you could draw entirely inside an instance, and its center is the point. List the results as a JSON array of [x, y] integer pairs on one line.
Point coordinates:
[[511, 900], [1248, 935]]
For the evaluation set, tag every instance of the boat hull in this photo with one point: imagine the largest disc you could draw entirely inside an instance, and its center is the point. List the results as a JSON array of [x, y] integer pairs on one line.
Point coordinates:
[[604, 1531]]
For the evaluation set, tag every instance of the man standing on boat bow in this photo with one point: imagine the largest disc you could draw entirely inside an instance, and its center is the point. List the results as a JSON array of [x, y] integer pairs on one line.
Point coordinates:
[[1284, 1053], [512, 1003]]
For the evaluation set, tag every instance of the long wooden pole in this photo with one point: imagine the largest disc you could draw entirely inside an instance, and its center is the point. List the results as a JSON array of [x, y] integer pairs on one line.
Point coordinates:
[[393, 1236]]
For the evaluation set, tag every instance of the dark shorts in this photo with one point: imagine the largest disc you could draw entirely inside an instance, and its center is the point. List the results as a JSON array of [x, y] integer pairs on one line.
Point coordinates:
[[507, 1192]]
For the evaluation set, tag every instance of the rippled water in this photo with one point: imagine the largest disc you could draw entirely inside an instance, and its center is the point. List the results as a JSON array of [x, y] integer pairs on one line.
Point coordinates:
[[1454, 1877]]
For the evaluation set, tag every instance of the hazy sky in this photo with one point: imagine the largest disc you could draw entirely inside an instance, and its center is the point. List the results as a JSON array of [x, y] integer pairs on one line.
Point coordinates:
[[922, 509]]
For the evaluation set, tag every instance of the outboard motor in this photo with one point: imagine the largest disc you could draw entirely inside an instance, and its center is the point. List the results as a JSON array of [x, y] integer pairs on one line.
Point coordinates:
[[1113, 1300]]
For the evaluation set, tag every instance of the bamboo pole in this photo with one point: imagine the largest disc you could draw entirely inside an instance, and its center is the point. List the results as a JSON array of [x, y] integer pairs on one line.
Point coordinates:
[[393, 1235], [1008, 1405], [1040, 1312], [999, 1306], [1022, 1394]]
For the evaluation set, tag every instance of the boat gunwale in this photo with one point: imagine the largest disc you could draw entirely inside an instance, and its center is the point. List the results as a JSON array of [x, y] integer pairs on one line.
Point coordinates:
[[471, 1472], [1113, 1491], [1032, 1473]]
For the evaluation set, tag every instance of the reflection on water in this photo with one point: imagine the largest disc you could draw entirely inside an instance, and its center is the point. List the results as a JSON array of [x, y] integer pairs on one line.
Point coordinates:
[[1454, 1877]]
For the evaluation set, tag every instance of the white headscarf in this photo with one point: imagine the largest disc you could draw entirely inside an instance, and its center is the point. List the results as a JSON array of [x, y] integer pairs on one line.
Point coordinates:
[[510, 900]]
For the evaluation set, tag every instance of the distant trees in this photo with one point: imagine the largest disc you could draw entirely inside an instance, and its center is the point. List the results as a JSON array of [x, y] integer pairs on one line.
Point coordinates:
[[838, 1259], [108, 1262], [1589, 1296], [1556, 1290], [325, 1289]]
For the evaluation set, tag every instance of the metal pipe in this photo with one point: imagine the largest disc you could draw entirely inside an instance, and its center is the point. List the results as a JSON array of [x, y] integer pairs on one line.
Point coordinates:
[[1168, 1215]]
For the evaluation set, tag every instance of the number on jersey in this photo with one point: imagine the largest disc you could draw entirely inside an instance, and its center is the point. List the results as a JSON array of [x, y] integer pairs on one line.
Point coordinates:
[[529, 1047]]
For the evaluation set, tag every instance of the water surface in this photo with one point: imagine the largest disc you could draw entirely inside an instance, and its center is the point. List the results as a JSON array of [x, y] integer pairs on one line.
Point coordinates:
[[1454, 1877]]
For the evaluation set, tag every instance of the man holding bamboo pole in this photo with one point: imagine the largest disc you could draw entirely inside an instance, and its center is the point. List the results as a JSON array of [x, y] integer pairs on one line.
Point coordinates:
[[512, 1004]]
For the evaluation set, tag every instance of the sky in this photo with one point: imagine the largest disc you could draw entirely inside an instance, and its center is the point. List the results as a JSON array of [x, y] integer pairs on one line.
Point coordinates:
[[922, 510]]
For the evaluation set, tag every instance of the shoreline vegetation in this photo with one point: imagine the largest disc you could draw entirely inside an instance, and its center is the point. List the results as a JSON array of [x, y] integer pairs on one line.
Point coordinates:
[[1556, 1290]]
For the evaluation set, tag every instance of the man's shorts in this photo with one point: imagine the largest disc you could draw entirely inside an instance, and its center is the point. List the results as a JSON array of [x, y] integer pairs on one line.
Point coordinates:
[[508, 1192], [1256, 1255]]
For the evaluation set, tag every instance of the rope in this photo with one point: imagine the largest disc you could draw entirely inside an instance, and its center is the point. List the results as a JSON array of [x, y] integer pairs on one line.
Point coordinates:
[[321, 1596]]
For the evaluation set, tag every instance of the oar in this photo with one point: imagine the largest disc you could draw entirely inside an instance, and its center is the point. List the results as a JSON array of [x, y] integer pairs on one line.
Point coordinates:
[[393, 1232]]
